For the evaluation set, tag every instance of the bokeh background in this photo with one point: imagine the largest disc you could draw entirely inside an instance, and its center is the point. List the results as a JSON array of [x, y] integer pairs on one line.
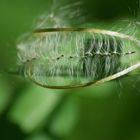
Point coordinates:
[[110, 111]]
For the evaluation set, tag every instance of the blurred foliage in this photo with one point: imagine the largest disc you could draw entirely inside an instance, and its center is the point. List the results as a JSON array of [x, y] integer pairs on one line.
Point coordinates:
[[27, 112]]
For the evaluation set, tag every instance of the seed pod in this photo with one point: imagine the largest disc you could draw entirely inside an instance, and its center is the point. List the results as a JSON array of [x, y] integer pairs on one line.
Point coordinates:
[[77, 57]]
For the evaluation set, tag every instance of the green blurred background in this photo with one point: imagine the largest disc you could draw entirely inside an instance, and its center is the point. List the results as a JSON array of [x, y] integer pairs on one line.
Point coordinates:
[[110, 111]]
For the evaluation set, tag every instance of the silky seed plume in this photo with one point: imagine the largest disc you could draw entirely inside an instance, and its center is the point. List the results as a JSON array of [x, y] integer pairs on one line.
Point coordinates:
[[62, 56]]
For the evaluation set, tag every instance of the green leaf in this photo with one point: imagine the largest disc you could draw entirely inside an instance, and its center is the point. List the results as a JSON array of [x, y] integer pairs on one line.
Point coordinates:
[[65, 120], [33, 106]]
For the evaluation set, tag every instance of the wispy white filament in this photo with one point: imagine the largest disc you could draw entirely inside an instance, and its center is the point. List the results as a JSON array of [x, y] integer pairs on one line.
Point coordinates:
[[61, 56]]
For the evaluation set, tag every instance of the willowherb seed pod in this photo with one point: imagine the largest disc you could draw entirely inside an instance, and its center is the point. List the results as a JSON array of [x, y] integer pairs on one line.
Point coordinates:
[[77, 57], [62, 57]]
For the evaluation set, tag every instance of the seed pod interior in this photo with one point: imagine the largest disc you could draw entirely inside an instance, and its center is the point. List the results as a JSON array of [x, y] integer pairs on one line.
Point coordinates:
[[74, 58]]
